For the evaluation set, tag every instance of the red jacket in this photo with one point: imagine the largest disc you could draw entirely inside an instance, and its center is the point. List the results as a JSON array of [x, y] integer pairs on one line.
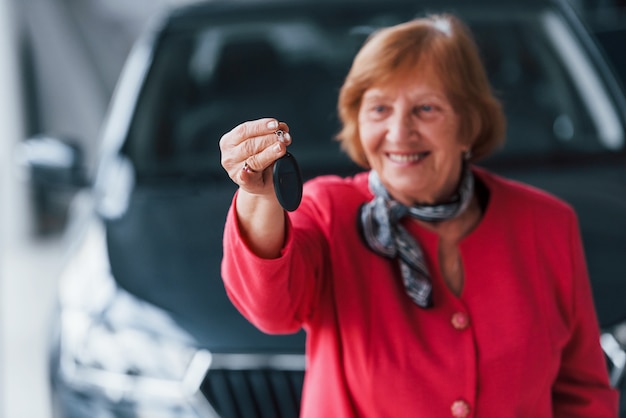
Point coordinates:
[[521, 341]]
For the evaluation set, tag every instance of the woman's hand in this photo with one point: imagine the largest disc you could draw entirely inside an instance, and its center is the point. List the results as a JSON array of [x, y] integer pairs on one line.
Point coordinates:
[[248, 154], [250, 149]]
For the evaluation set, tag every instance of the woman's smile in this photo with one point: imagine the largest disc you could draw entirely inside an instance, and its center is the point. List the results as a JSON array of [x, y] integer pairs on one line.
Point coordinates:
[[405, 158]]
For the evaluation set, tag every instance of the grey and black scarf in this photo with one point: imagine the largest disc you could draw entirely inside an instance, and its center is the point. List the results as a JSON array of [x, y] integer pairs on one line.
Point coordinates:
[[384, 234]]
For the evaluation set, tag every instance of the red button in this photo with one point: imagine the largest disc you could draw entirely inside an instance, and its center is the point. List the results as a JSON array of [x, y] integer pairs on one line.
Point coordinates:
[[460, 409], [460, 321]]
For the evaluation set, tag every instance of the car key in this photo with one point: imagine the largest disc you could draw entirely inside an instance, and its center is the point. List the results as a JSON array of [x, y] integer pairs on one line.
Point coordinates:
[[288, 182]]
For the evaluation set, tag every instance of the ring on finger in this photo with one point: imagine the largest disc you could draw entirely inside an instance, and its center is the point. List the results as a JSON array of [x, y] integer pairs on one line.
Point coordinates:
[[246, 168]]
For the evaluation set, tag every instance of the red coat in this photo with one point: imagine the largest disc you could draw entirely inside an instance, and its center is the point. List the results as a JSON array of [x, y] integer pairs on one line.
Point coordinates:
[[521, 341]]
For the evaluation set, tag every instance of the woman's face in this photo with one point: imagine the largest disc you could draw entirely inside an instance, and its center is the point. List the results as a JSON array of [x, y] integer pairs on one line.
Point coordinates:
[[410, 135]]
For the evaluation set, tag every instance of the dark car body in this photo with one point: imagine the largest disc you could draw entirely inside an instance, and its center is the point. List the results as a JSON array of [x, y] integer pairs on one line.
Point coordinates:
[[144, 326]]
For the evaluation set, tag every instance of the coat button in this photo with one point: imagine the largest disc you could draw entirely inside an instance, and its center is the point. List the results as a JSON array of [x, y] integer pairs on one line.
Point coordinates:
[[460, 321], [460, 409]]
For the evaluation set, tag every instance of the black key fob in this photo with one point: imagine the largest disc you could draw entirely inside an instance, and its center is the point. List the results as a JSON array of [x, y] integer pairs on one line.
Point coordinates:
[[288, 182]]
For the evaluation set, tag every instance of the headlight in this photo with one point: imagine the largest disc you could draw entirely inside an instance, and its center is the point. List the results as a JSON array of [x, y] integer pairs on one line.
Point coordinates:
[[613, 342], [120, 349]]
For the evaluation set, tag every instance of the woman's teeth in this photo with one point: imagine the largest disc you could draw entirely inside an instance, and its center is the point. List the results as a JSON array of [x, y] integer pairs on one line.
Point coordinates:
[[407, 158]]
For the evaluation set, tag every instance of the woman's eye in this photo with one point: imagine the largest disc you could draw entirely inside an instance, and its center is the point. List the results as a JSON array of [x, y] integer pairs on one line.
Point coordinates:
[[375, 111], [426, 111], [379, 108], [426, 108], [378, 111]]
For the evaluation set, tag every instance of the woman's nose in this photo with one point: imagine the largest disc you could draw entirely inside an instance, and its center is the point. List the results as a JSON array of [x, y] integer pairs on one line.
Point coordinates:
[[401, 127]]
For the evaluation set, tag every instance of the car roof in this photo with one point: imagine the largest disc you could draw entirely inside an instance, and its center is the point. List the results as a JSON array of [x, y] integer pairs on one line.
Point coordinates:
[[246, 9]]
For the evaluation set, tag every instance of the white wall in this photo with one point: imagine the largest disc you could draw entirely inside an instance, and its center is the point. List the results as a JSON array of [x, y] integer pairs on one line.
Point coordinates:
[[10, 132]]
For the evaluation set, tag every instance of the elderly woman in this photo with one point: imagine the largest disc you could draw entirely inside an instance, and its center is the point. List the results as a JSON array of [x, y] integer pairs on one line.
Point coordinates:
[[427, 286]]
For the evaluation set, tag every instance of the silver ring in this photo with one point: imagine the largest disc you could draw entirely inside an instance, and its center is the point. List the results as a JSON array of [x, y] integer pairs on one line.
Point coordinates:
[[281, 135]]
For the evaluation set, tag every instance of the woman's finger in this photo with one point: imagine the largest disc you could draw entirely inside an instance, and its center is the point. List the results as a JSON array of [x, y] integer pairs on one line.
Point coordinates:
[[235, 150], [259, 161], [252, 129]]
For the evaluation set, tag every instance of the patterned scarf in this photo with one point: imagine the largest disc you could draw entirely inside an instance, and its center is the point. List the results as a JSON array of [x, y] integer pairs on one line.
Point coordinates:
[[384, 234]]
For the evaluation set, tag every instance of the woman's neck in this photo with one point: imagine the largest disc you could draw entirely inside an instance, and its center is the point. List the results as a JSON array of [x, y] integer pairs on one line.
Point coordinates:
[[455, 229]]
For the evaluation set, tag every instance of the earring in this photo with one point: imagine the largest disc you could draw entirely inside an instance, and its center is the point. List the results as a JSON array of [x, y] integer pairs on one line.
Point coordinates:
[[467, 155]]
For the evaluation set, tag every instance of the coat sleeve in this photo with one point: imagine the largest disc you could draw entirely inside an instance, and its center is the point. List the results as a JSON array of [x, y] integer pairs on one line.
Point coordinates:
[[275, 295], [582, 387]]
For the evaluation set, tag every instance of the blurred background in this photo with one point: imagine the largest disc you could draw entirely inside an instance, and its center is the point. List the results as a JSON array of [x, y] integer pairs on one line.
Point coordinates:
[[60, 60]]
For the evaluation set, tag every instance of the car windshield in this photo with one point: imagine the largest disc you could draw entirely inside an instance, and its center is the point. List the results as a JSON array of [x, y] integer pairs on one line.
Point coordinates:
[[208, 78]]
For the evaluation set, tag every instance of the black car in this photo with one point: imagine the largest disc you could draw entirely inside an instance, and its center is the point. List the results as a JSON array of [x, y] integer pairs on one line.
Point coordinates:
[[144, 327]]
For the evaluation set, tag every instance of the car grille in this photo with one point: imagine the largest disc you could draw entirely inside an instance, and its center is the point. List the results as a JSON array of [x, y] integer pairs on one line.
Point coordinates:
[[255, 386]]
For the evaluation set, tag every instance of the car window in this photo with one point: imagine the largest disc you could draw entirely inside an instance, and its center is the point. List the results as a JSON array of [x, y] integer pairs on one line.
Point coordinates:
[[206, 80], [544, 112]]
